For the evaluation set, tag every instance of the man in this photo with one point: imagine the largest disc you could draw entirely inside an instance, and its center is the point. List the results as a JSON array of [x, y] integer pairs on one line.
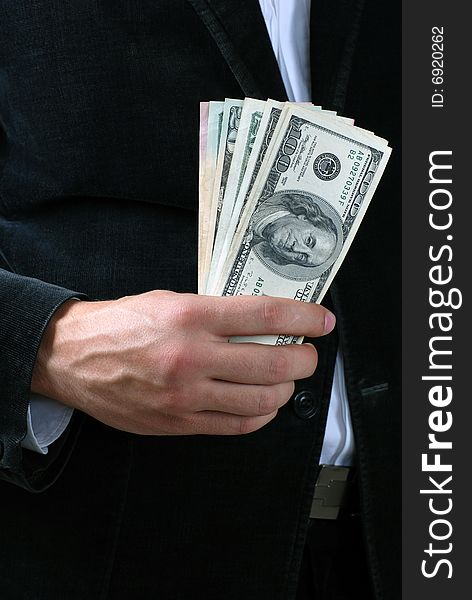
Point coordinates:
[[99, 107], [292, 228]]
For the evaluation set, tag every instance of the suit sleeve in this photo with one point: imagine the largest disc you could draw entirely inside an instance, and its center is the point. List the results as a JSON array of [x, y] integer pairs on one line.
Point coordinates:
[[26, 306]]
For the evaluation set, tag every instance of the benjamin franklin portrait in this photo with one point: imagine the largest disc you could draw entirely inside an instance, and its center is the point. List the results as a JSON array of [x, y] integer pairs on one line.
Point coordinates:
[[296, 234]]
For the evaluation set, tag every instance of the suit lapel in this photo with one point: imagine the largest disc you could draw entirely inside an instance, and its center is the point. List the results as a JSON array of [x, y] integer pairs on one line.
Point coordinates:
[[334, 31], [240, 33]]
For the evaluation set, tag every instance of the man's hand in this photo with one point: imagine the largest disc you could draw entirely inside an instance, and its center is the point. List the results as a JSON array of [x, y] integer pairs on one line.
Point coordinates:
[[160, 363]]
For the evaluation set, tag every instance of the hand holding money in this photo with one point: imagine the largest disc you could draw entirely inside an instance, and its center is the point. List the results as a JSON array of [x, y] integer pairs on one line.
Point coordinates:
[[159, 363], [283, 191], [285, 187]]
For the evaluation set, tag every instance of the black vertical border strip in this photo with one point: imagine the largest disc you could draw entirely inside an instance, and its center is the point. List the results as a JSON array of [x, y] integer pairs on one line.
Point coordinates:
[[427, 129]]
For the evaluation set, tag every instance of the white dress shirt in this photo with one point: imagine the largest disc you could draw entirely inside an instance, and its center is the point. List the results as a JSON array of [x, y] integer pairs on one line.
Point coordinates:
[[46, 421], [288, 24]]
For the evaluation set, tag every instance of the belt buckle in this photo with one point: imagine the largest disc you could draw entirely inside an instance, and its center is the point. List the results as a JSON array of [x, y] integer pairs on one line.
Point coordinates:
[[330, 492]]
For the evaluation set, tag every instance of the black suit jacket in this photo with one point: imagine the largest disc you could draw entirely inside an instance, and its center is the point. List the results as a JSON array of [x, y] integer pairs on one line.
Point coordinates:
[[98, 174]]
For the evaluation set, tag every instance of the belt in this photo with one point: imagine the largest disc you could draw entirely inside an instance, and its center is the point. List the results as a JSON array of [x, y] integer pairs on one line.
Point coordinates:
[[335, 493]]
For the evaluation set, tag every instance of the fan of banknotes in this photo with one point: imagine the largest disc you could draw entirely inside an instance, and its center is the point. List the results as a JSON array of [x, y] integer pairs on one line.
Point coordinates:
[[283, 190]]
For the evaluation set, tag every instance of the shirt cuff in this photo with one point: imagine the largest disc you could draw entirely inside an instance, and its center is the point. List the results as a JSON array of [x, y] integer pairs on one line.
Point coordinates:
[[47, 420]]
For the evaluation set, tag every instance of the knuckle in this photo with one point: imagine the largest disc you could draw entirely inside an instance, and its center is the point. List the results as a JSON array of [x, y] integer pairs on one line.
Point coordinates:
[[318, 318], [251, 424], [247, 425], [170, 405], [160, 294], [313, 360], [268, 402], [279, 368], [283, 393], [272, 313], [185, 313], [176, 363], [287, 391]]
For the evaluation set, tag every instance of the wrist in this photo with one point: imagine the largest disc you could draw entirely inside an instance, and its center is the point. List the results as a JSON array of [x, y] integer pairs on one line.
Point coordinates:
[[50, 357]]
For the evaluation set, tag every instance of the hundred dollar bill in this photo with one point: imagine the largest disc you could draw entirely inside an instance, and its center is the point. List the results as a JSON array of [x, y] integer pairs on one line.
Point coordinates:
[[249, 127], [268, 125], [250, 120], [211, 132], [266, 129], [304, 210], [231, 119], [261, 144], [202, 187]]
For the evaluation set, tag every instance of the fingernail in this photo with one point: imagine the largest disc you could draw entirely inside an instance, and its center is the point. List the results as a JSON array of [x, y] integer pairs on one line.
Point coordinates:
[[330, 322]]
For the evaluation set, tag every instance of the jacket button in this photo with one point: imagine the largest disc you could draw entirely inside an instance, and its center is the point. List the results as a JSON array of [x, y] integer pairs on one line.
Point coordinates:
[[305, 405]]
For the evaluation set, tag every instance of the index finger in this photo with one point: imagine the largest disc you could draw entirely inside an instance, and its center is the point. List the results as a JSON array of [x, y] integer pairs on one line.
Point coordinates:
[[249, 315]]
